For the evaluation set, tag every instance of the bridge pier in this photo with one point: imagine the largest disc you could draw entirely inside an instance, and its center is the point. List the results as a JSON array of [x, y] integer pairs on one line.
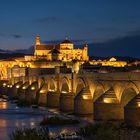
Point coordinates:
[[22, 91], [42, 99], [67, 102], [107, 107], [132, 111], [53, 99], [30, 95], [3, 87], [13, 93], [83, 102]]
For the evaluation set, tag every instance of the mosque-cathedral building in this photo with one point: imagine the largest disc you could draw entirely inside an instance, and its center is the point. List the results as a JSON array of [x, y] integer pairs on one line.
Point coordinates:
[[64, 51], [50, 56]]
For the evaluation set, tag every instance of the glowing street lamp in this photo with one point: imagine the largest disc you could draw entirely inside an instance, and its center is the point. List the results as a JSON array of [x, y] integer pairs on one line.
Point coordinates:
[[4, 84], [42, 91], [17, 86], [64, 92], [86, 97], [52, 90], [24, 87], [109, 100], [32, 88]]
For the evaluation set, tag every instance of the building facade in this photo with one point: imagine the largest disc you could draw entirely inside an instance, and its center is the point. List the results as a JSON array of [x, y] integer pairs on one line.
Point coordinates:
[[51, 56], [113, 62], [64, 51]]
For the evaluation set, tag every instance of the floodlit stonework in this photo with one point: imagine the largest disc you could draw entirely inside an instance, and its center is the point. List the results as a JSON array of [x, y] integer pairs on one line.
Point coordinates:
[[60, 76], [64, 51], [111, 62]]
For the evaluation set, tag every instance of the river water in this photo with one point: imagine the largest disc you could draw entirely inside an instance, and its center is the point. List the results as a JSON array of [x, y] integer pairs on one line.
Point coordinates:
[[12, 117]]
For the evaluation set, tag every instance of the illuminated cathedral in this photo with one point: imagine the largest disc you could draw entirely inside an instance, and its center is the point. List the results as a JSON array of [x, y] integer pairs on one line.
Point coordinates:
[[47, 56], [64, 51]]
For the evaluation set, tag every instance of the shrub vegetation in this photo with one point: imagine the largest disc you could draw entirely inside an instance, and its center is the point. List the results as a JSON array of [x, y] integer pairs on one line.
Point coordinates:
[[30, 134], [55, 120]]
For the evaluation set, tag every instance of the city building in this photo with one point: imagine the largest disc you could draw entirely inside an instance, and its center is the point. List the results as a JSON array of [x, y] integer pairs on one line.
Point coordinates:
[[64, 51], [113, 62], [50, 56]]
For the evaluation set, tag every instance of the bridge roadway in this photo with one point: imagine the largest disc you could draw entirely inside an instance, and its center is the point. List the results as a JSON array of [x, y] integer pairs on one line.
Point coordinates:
[[108, 96]]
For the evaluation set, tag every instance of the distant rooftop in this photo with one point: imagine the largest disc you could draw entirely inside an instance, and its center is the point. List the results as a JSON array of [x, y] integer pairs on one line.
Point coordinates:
[[66, 41], [54, 51], [47, 47]]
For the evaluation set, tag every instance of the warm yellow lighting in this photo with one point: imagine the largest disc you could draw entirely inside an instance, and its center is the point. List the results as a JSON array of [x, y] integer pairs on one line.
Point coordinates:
[[112, 59], [3, 105], [138, 104], [4, 84], [64, 92], [10, 86], [42, 91], [67, 52], [51, 90], [112, 62], [23, 87], [17, 86], [86, 97], [108, 100], [32, 88]]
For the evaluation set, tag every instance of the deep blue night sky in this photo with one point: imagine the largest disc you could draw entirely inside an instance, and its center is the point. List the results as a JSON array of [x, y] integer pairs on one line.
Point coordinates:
[[93, 21]]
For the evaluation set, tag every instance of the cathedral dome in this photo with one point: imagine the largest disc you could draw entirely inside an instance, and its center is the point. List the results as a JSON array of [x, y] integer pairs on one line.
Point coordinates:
[[66, 41]]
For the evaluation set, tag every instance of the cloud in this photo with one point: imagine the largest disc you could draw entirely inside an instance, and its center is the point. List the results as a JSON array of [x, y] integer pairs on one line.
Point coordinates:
[[134, 33], [2, 35], [48, 20], [16, 36], [128, 45]]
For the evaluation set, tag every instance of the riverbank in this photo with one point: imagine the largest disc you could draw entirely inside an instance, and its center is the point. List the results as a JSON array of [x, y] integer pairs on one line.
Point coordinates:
[[12, 117]]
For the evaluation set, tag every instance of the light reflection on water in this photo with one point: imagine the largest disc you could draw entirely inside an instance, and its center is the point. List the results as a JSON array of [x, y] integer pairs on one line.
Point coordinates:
[[3, 105], [12, 117]]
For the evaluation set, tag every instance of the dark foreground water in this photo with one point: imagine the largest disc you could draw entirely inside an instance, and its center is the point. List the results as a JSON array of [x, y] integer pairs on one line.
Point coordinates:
[[12, 117]]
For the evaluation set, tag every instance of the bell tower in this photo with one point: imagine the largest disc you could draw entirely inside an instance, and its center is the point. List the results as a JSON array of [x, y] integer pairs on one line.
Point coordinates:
[[37, 43], [37, 40]]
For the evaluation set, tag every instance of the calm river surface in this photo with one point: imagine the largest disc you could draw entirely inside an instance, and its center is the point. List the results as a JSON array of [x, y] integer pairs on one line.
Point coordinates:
[[12, 117]]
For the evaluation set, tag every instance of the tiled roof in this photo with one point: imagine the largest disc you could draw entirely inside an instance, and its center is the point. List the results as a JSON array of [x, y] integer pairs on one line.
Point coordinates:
[[54, 51], [47, 47]]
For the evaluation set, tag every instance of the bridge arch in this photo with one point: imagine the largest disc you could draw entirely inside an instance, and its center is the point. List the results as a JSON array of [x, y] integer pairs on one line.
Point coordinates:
[[52, 85], [25, 85], [44, 86], [41, 96], [81, 84], [65, 85], [22, 90], [99, 90], [34, 85], [129, 91], [41, 81], [30, 93]]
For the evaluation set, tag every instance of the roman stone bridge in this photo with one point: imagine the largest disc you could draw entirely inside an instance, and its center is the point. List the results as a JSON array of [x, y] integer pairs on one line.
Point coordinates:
[[108, 96]]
